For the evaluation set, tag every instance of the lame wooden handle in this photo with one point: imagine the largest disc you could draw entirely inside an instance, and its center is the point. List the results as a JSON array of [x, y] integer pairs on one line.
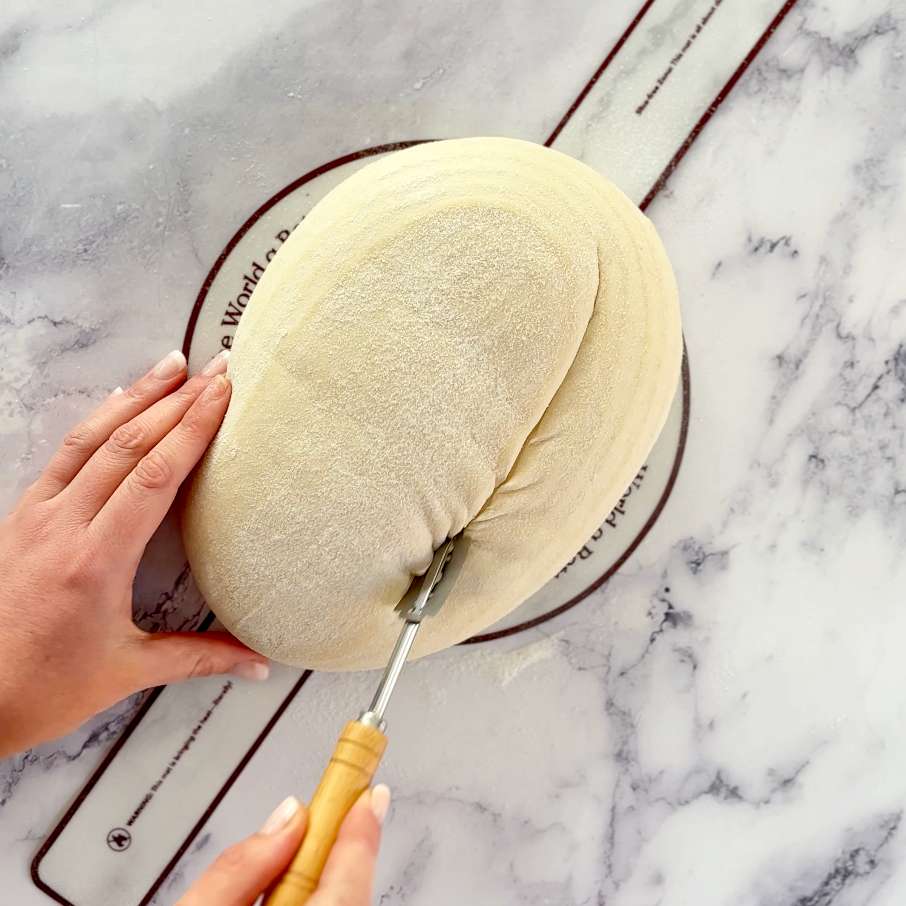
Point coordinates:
[[355, 759]]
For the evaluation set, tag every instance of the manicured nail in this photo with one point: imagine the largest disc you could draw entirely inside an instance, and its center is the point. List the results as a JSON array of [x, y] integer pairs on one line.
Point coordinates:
[[280, 816], [170, 365], [116, 391], [252, 670], [216, 388], [380, 802], [218, 364]]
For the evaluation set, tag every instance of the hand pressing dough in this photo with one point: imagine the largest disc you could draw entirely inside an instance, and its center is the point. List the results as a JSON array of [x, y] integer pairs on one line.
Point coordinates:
[[479, 334]]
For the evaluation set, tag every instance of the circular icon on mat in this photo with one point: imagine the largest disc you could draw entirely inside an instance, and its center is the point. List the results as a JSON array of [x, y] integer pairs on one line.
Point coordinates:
[[228, 288], [119, 839]]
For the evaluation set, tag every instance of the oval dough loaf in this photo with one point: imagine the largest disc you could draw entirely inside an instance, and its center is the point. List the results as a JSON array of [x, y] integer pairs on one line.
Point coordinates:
[[478, 335]]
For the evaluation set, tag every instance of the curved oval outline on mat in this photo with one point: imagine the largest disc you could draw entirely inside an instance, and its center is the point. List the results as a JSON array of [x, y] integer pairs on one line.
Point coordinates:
[[686, 389]]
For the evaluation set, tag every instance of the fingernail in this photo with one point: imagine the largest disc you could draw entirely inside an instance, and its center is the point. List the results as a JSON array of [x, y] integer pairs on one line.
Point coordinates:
[[216, 388], [252, 670], [218, 364], [170, 365], [280, 816], [380, 802], [116, 391]]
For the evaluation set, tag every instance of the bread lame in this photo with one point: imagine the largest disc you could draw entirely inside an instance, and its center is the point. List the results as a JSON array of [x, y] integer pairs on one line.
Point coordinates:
[[358, 751]]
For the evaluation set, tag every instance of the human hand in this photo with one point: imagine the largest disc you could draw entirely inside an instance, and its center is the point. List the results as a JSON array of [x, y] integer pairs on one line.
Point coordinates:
[[245, 871], [70, 549]]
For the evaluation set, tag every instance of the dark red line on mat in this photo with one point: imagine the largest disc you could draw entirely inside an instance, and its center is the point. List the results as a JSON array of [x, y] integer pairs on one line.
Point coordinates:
[[718, 100], [82, 795], [599, 72], [108, 758], [240, 767]]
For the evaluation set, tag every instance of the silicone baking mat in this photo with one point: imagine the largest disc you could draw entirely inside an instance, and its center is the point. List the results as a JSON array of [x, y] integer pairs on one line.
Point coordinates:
[[655, 90]]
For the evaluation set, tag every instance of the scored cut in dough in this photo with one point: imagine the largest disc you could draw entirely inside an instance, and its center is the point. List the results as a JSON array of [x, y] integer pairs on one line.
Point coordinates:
[[478, 334]]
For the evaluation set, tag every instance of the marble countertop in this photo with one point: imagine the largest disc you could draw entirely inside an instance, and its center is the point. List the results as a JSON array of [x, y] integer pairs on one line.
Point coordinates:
[[723, 723]]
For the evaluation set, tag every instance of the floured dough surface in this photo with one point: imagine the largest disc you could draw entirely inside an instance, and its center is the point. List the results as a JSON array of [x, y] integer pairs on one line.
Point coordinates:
[[477, 334]]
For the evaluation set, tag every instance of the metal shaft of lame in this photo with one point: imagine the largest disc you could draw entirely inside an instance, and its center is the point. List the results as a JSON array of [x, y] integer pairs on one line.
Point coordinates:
[[374, 716], [394, 668]]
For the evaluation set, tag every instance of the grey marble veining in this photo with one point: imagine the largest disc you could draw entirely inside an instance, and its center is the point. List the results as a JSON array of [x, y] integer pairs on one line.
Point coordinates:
[[725, 721]]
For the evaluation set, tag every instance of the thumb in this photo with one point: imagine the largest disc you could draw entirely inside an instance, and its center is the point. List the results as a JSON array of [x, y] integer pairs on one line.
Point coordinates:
[[168, 657], [244, 871]]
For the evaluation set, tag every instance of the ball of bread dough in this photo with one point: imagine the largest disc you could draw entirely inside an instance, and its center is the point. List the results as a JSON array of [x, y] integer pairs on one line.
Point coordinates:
[[477, 336]]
